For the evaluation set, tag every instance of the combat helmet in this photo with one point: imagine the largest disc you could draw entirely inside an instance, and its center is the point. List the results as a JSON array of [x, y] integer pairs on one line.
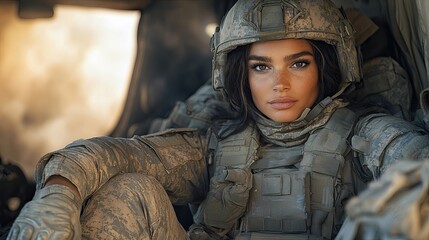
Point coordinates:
[[251, 21]]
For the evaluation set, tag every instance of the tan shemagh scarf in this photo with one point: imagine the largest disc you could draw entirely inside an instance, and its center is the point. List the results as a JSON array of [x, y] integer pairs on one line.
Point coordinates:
[[294, 133]]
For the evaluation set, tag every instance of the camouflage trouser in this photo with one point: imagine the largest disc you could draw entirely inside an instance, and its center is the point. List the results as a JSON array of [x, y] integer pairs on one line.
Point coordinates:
[[131, 206]]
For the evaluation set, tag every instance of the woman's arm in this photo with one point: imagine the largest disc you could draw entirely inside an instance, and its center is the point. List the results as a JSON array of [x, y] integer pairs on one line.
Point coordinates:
[[175, 158], [395, 153], [382, 139]]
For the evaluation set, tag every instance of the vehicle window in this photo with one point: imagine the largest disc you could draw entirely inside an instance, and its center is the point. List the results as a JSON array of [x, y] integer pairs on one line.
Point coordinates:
[[61, 78]]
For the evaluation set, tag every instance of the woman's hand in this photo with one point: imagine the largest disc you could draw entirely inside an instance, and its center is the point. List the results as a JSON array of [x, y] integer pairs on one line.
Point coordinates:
[[227, 199], [52, 214]]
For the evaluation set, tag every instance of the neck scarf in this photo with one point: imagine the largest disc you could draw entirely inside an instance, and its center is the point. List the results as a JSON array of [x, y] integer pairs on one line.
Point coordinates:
[[294, 133]]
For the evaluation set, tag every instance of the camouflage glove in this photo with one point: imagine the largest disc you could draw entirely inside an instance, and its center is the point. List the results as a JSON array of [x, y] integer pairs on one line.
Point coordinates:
[[52, 214], [226, 201], [396, 206]]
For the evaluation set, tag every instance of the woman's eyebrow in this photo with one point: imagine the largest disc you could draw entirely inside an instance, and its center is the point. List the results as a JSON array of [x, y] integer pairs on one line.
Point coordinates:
[[297, 55], [259, 58], [286, 58]]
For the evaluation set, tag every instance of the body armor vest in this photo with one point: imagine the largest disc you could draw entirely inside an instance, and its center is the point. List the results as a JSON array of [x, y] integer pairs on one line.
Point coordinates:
[[297, 190]]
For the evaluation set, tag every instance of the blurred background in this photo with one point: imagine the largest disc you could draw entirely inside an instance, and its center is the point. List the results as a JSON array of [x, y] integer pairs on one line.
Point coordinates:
[[61, 78]]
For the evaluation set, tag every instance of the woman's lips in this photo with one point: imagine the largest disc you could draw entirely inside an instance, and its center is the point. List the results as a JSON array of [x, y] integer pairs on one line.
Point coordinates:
[[282, 103]]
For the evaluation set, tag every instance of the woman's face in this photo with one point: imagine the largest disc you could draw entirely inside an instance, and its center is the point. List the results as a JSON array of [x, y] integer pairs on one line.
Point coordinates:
[[283, 77]]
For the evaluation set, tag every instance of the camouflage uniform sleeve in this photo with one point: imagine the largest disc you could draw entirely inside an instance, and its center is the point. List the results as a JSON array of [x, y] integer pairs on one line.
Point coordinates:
[[174, 157], [394, 152], [381, 139]]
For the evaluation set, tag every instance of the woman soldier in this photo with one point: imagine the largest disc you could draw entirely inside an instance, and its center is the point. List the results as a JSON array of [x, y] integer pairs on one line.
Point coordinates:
[[283, 170]]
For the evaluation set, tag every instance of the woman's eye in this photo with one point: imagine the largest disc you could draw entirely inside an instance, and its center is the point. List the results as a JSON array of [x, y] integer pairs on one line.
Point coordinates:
[[260, 68], [300, 64]]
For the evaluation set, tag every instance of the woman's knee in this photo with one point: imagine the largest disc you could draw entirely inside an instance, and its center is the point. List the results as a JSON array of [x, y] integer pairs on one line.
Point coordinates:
[[137, 192], [133, 182], [129, 205]]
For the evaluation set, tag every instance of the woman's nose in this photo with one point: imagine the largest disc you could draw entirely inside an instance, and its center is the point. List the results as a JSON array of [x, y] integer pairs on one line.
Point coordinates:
[[281, 82]]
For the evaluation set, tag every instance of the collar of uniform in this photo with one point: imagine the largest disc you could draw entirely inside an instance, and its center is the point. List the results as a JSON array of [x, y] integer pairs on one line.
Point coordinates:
[[296, 132]]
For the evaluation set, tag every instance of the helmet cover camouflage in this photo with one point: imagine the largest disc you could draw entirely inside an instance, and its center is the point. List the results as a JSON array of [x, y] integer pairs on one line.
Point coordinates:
[[251, 21]]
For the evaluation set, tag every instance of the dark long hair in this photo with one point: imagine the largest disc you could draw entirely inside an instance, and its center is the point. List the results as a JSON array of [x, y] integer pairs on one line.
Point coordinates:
[[237, 84]]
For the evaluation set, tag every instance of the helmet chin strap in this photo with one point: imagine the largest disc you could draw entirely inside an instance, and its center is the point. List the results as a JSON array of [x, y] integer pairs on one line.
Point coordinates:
[[316, 109], [303, 115], [309, 114]]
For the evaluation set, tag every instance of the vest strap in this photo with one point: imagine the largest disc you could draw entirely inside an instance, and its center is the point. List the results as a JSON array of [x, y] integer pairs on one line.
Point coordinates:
[[276, 225], [277, 158]]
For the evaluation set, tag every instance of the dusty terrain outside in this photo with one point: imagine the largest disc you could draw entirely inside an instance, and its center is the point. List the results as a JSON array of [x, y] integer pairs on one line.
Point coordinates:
[[62, 78]]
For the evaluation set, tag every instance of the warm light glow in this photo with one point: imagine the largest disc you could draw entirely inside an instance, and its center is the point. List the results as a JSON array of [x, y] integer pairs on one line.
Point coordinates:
[[62, 78], [210, 29]]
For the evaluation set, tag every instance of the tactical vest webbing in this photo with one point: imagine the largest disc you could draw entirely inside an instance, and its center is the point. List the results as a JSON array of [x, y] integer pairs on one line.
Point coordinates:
[[294, 189]]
